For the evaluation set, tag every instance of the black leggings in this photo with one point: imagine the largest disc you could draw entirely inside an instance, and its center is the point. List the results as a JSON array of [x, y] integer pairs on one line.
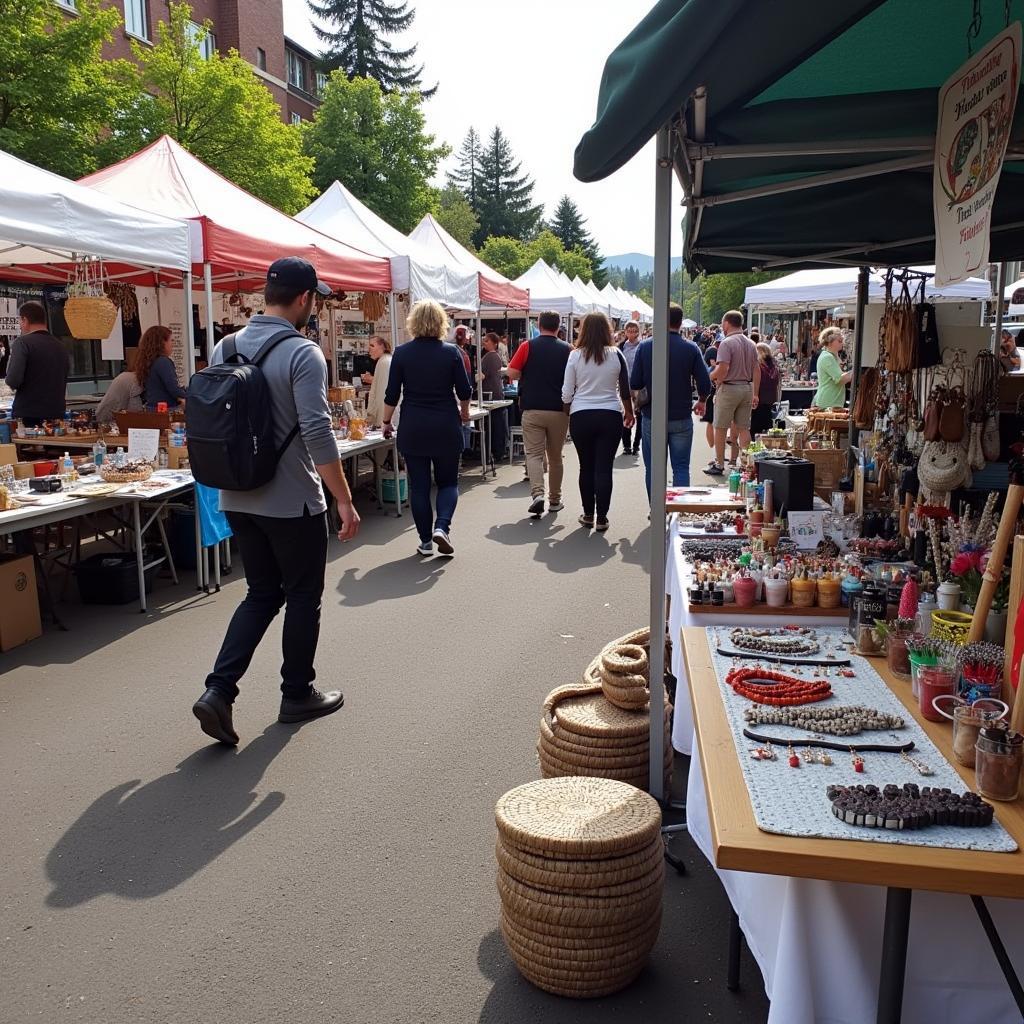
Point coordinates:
[[596, 434]]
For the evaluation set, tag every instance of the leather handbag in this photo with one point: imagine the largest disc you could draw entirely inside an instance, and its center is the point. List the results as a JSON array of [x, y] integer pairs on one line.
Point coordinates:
[[952, 416], [867, 396], [933, 414]]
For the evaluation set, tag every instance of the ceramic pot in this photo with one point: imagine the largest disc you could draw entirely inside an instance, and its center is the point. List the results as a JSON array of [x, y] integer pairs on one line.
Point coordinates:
[[744, 589], [755, 530], [948, 596], [775, 592], [770, 534], [829, 595], [803, 592], [757, 516]]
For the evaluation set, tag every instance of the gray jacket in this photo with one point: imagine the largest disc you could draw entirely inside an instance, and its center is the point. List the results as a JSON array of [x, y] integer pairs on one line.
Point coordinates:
[[38, 372], [296, 375]]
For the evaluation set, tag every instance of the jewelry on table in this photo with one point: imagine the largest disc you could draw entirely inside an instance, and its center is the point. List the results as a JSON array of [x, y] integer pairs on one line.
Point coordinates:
[[794, 761], [909, 807], [837, 720], [823, 758], [858, 761], [765, 753], [787, 641], [766, 686], [813, 741], [809, 757], [919, 766]]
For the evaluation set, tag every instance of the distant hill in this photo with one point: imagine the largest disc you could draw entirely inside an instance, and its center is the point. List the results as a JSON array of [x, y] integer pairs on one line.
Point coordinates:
[[642, 262]]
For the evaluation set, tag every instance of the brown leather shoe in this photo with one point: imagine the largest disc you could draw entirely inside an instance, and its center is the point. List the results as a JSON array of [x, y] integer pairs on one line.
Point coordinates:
[[316, 705], [214, 714]]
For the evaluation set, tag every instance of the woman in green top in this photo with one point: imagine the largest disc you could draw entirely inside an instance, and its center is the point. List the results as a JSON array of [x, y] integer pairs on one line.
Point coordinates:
[[831, 393]]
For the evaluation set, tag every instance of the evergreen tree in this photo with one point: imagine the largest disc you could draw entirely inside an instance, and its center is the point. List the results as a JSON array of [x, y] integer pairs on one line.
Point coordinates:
[[356, 41], [506, 193], [571, 227], [466, 174]]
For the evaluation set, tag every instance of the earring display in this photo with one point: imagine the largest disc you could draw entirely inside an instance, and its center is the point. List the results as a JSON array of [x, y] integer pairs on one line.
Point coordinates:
[[858, 761]]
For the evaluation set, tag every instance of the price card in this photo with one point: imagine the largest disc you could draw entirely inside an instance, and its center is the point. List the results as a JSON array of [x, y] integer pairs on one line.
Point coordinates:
[[143, 444], [806, 529]]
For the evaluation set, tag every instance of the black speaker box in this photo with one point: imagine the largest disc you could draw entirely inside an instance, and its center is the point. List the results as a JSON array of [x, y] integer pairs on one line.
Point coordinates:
[[792, 482]]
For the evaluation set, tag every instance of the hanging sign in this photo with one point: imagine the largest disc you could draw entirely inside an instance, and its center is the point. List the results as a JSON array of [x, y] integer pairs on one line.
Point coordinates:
[[975, 115]]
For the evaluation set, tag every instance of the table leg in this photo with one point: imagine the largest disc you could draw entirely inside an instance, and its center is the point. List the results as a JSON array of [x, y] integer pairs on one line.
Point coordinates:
[[894, 956], [139, 559], [1005, 964], [377, 479], [200, 558], [735, 947], [167, 549], [398, 475], [483, 445]]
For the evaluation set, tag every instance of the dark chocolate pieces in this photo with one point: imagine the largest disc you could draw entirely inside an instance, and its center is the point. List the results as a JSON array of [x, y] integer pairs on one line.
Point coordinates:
[[908, 807]]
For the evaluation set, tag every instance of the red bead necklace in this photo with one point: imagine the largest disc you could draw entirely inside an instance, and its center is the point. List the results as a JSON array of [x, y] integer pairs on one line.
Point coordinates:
[[778, 688]]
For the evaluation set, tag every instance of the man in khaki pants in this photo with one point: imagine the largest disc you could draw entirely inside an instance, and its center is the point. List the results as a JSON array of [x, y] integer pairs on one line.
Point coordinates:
[[539, 366]]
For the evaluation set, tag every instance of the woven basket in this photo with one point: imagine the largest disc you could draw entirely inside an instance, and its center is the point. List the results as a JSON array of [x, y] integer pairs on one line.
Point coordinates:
[[951, 626], [577, 866], [617, 876], [587, 948], [577, 936], [90, 316], [125, 476]]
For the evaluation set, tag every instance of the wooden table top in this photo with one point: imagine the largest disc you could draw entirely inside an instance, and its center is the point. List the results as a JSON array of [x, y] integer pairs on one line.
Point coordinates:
[[762, 609], [740, 845]]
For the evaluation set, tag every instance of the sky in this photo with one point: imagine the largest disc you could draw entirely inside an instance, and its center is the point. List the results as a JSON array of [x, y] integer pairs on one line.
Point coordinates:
[[532, 67]]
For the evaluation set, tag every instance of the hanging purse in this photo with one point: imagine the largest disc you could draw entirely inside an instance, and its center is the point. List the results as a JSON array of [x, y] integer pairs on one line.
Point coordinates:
[[933, 413], [951, 418], [975, 452], [867, 396], [943, 467], [929, 352], [901, 334], [990, 443]]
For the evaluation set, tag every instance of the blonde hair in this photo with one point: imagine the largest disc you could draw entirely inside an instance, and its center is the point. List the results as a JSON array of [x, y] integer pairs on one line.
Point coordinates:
[[829, 335], [763, 350], [385, 343], [427, 319]]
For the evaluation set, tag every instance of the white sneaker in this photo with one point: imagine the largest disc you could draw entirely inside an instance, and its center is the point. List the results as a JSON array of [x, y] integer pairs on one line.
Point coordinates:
[[443, 542], [555, 506], [537, 506], [426, 549]]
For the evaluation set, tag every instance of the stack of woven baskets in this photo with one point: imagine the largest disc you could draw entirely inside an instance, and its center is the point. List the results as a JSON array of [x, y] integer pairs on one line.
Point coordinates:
[[580, 873], [601, 726]]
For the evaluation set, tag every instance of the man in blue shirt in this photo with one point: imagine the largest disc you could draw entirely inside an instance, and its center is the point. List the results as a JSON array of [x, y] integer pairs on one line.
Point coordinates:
[[686, 369]]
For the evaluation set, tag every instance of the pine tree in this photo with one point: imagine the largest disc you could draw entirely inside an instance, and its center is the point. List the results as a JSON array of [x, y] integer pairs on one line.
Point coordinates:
[[571, 227], [356, 41], [506, 193], [466, 174]]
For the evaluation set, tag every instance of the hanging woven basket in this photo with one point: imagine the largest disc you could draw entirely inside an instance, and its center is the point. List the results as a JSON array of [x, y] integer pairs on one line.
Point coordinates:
[[90, 316]]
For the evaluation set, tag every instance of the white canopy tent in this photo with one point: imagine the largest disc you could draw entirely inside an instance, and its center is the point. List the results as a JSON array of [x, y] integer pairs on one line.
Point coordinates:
[[548, 292], [587, 302], [616, 307], [414, 268], [837, 286], [601, 304], [1013, 292]]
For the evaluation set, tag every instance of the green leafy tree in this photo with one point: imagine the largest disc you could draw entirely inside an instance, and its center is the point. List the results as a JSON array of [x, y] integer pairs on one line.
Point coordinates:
[[576, 263], [465, 176], [506, 193], [377, 145], [218, 110], [722, 292], [58, 95], [356, 41], [456, 216], [571, 227], [508, 256], [545, 247]]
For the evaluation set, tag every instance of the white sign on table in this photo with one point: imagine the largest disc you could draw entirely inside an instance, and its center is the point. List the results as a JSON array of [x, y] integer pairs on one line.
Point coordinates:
[[975, 116], [143, 444], [806, 529]]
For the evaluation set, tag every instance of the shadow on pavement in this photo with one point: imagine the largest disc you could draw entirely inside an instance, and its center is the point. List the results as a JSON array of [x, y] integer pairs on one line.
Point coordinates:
[[142, 842], [404, 577]]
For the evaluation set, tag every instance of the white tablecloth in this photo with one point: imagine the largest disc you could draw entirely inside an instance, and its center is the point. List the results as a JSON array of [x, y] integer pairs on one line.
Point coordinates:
[[818, 944]]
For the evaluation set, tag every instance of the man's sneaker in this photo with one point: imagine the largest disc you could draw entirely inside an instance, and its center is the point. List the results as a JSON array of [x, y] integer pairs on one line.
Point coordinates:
[[555, 506], [316, 705], [426, 549], [537, 506], [443, 542], [714, 470], [602, 524], [587, 522]]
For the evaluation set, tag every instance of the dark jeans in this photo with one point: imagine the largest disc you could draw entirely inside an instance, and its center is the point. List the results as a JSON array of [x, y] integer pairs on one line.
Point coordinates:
[[596, 434], [680, 442], [497, 423], [631, 436], [285, 561], [446, 476]]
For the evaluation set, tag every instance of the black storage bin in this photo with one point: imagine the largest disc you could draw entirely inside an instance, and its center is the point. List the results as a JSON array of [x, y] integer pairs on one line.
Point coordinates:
[[111, 578], [792, 482]]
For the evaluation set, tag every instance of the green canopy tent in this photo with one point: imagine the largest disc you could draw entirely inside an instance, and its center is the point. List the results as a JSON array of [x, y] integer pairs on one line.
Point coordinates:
[[802, 133]]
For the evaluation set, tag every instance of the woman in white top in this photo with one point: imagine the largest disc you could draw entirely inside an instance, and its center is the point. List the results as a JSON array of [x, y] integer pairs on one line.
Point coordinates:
[[380, 352], [596, 395]]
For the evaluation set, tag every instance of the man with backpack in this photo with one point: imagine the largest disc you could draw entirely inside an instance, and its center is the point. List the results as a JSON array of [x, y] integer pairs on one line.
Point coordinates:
[[270, 380]]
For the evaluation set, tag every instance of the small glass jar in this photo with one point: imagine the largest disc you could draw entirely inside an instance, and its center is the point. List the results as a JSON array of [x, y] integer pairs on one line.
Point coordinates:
[[897, 655], [933, 681], [998, 758]]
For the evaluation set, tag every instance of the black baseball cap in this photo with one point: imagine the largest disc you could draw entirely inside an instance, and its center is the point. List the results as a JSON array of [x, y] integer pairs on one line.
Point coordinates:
[[295, 272]]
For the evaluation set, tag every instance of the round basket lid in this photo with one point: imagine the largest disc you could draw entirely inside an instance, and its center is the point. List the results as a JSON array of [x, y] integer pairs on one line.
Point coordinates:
[[579, 815], [595, 715]]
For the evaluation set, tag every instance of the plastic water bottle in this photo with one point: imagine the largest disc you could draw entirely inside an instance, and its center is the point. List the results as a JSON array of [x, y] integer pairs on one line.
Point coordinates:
[[67, 467], [178, 435], [99, 452], [120, 459]]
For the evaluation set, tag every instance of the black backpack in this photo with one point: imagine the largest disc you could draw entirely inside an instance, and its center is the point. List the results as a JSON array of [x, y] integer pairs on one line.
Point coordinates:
[[230, 432]]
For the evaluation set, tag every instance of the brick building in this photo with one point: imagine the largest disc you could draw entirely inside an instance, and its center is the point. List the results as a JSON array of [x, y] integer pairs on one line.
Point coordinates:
[[255, 28]]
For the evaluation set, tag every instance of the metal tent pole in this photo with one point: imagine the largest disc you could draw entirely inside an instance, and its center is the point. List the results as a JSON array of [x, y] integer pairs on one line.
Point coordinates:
[[188, 326], [479, 359], [659, 453], [858, 344], [1000, 289], [393, 310], [208, 285]]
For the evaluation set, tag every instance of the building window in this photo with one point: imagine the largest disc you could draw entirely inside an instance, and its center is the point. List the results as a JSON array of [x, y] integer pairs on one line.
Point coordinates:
[[296, 118], [321, 83], [296, 71], [207, 43], [135, 20], [261, 58], [67, 4]]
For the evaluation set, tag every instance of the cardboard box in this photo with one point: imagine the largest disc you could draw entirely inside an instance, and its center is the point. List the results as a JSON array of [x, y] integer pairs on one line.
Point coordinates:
[[176, 457], [8, 454], [19, 602], [23, 470]]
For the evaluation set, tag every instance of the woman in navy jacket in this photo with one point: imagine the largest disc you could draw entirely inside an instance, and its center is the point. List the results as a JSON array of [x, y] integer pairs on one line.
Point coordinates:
[[428, 375]]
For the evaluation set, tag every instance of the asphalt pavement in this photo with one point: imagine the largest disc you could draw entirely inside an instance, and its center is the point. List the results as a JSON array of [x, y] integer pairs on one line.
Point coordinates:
[[342, 870]]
